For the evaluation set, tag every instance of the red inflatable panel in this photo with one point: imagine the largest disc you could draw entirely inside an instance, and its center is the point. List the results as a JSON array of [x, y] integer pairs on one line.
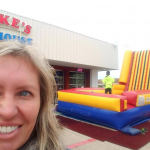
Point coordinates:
[[142, 92], [131, 97], [130, 106]]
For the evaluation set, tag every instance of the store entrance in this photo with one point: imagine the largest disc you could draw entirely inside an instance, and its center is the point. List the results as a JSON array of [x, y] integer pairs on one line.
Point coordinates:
[[59, 78], [77, 79], [67, 77]]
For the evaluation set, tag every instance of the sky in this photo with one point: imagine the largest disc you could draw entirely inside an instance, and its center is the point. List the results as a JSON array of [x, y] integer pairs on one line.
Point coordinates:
[[125, 23]]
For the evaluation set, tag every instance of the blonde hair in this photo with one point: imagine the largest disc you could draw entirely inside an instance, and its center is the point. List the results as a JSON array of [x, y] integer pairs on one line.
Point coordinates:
[[47, 128]]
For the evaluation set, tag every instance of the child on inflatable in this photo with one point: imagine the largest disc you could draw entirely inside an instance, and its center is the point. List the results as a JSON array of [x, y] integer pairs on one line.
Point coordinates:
[[108, 83]]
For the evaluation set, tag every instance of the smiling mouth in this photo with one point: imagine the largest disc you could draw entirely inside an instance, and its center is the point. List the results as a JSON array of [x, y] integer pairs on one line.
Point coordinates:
[[8, 129]]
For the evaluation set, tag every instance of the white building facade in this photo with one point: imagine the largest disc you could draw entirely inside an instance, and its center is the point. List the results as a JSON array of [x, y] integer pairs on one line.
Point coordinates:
[[76, 58]]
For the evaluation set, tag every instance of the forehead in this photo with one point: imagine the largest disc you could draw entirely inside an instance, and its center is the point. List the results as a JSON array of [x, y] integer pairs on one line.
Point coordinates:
[[15, 62], [17, 66]]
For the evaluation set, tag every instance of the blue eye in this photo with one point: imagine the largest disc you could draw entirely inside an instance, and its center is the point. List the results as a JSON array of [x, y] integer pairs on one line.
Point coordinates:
[[24, 93]]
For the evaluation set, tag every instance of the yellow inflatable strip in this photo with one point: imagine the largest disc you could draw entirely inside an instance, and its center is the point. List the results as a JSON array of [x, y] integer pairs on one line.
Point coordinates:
[[125, 104], [107, 103], [145, 70], [143, 99], [117, 92], [139, 71], [118, 87], [142, 72], [149, 75], [135, 72], [132, 72], [95, 91], [125, 67]]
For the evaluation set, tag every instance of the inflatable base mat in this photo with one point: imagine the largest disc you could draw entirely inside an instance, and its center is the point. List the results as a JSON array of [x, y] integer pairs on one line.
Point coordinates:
[[112, 119]]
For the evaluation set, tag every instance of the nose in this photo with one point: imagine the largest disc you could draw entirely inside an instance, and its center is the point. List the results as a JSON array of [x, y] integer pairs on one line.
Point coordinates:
[[8, 108]]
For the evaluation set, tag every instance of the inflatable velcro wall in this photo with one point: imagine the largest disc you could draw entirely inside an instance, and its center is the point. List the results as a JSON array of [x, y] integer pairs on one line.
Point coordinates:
[[129, 103]]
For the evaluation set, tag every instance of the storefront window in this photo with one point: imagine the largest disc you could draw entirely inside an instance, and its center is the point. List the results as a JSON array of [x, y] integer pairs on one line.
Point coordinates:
[[76, 79], [59, 78]]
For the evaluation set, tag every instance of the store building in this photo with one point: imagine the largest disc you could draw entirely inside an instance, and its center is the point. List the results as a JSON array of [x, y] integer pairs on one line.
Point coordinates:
[[75, 57]]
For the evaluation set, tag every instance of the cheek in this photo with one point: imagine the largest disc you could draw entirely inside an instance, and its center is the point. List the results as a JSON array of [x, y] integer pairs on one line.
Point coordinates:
[[30, 110]]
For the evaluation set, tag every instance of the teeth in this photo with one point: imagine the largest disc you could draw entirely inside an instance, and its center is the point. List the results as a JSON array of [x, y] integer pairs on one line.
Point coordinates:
[[6, 130]]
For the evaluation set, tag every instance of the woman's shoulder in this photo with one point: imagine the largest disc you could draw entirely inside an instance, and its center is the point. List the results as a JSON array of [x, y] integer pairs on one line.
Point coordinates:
[[30, 145]]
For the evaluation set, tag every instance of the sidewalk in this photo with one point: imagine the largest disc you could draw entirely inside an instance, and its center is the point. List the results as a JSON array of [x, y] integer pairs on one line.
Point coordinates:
[[77, 141]]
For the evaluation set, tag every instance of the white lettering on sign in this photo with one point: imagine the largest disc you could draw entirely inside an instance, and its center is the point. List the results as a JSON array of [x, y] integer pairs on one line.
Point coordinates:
[[141, 100], [147, 99]]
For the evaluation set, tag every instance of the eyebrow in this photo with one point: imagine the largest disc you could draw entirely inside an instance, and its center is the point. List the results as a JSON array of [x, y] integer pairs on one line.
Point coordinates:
[[23, 86], [27, 86]]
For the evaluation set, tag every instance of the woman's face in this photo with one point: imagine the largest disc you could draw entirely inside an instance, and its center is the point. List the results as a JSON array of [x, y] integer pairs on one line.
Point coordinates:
[[19, 101]]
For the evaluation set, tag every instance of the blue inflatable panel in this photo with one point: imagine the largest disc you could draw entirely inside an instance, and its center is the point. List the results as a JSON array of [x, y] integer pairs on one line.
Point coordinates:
[[131, 131], [113, 119]]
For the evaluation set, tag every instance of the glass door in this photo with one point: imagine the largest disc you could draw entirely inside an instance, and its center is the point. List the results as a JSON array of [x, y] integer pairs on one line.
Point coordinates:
[[76, 79], [59, 78]]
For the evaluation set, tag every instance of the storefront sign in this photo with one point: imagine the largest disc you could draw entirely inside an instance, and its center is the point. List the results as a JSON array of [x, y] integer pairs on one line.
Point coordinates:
[[14, 37], [79, 69], [15, 23]]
